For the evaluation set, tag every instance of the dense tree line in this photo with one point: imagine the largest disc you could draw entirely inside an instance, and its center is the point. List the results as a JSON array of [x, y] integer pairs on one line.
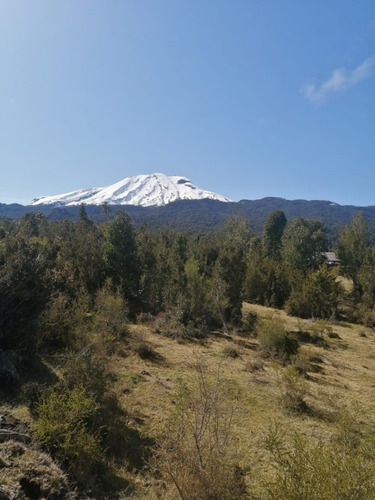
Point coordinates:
[[200, 279]]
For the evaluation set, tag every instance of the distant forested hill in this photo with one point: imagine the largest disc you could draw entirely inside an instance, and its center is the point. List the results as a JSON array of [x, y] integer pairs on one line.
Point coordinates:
[[210, 214]]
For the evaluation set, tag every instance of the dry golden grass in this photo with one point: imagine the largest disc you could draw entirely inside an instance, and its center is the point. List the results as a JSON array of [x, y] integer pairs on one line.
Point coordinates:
[[343, 377]]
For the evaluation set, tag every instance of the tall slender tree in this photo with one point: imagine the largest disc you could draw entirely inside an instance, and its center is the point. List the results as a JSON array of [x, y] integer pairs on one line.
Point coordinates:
[[353, 245], [232, 259], [120, 256], [272, 233]]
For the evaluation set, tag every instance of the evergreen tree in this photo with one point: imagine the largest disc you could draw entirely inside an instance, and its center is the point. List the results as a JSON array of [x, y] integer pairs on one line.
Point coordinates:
[[33, 225], [219, 299], [195, 293], [366, 280], [151, 279], [316, 296], [232, 259], [120, 256], [272, 233], [353, 245], [83, 219], [89, 262], [267, 282], [25, 288], [303, 243]]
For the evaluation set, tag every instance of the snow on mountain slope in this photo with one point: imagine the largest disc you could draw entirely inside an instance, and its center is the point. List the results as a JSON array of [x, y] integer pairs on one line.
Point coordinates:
[[143, 190]]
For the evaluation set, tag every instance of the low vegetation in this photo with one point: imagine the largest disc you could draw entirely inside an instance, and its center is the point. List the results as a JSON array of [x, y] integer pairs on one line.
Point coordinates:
[[139, 364]]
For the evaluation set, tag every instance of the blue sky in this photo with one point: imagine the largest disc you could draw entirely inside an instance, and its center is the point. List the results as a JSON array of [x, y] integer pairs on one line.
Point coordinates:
[[247, 98]]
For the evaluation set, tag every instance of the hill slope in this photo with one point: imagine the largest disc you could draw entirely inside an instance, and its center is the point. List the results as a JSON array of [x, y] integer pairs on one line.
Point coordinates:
[[338, 375]]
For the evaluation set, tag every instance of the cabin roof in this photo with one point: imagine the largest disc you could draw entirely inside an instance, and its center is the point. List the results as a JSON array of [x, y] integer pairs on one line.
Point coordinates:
[[331, 258]]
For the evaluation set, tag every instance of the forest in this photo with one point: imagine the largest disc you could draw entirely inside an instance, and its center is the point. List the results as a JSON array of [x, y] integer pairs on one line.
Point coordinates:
[[90, 311]]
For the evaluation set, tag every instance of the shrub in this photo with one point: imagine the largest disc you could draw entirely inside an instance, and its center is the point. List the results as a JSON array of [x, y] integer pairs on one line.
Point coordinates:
[[249, 323], [111, 315], [169, 325], [139, 344], [197, 451], [144, 317], [145, 351], [59, 321], [275, 341], [302, 363], [231, 351], [305, 362], [195, 331], [79, 419], [254, 365], [91, 374], [31, 394], [294, 390], [368, 318], [64, 425], [321, 327], [87, 372], [334, 469], [318, 330]]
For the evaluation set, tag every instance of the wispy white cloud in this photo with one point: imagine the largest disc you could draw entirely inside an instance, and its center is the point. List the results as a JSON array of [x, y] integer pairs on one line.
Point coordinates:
[[340, 80]]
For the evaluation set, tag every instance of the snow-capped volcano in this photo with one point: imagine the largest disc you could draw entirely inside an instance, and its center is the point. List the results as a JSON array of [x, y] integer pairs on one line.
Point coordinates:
[[144, 190]]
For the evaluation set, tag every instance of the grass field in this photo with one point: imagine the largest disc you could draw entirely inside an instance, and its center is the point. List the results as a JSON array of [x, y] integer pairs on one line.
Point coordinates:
[[341, 376], [337, 362]]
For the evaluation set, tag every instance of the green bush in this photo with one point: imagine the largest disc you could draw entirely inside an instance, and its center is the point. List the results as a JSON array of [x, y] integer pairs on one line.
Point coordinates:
[[58, 325], [79, 420], [111, 312], [275, 341], [91, 373], [342, 468], [64, 424], [87, 372], [368, 318], [249, 323], [194, 330]]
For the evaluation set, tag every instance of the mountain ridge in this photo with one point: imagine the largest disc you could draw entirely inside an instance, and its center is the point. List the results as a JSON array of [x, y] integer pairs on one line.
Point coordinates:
[[209, 215], [175, 203]]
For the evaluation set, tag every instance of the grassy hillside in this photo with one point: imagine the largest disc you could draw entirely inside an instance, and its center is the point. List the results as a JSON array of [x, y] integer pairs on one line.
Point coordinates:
[[329, 380]]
